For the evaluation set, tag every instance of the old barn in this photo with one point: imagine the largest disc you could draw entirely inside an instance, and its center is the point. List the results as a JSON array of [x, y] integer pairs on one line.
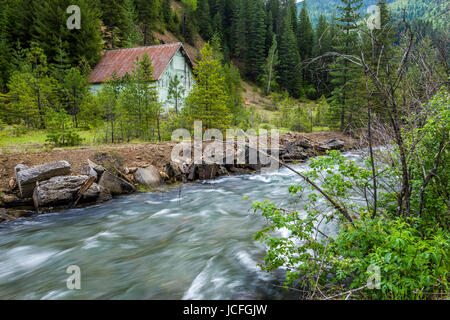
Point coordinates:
[[168, 60]]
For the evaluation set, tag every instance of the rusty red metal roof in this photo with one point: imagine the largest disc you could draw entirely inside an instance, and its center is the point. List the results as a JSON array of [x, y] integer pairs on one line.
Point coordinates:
[[123, 61]]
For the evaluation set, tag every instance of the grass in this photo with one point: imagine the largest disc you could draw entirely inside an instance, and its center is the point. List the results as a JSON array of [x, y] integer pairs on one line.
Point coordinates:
[[35, 140]]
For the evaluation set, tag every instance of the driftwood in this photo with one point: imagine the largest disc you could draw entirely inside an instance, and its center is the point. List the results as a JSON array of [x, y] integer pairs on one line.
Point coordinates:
[[124, 176], [82, 190], [35, 199]]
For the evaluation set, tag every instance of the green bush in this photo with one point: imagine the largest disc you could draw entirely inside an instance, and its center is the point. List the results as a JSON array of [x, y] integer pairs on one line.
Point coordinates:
[[61, 131], [412, 253]]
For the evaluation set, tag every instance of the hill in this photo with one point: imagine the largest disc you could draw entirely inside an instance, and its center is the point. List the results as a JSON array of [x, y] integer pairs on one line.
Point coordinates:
[[434, 11]]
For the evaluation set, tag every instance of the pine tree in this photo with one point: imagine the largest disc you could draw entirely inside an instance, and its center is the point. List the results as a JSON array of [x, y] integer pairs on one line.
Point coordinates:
[[204, 19], [289, 68], [112, 18], [274, 8], [130, 35], [346, 75], [75, 87], [149, 13], [240, 30], [176, 92], [166, 11], [107, 99], [49, 28], [257, 39], [6, 47], [207, 101], [322, 45], [271, 65], [234, 93], [292, 10], [149, 109], [305, 34]]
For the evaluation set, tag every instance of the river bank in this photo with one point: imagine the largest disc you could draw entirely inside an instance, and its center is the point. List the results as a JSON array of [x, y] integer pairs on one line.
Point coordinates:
[[126, 161]]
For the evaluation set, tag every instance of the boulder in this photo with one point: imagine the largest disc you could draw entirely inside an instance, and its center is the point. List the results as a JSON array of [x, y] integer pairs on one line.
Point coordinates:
[[303, 143], [115, 184], [89, 171], [20, 167], [26, 178], [203, 171], [148, 177], [175, 170], [96, 167], [63, 190], [332, 144], [294, 152], [223, 171]]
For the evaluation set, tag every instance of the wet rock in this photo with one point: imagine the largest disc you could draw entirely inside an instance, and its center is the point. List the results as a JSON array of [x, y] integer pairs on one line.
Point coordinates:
[[148, 177], [22, 213], [223, 171], [115, 184], [6, 216], [9, 200], [237, 170], [207, 171], [26, 178], [175, 170], [63, 191], [203, 171]]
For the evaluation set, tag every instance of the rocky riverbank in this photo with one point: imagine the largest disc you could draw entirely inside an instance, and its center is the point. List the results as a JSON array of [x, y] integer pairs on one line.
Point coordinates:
[[53, 180]]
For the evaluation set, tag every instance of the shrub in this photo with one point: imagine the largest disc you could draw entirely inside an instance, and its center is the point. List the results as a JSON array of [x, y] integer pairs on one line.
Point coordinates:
[[61, 132]]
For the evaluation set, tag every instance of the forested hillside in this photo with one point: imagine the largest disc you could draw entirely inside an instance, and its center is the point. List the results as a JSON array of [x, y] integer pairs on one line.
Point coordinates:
[[44, 65], [434, 11]]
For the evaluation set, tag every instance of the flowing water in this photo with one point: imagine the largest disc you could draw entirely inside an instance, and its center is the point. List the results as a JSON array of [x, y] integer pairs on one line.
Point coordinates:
[[193, 242]]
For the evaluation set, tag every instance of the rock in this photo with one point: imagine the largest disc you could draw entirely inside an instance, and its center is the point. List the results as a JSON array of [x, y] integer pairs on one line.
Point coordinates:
[[89, 171], [104, 195], [237, 170], [174, 170], [98, 168], [131, 170], [63, 190], [26, 178], [148, 177], [164, 175], [332, 144], [12, 184], [11, 200], [21, 213], [223, 171], [6, 216], [203, 171], [303, 143], [20, 167], [115, 184], [207, 171], [294, 152]]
